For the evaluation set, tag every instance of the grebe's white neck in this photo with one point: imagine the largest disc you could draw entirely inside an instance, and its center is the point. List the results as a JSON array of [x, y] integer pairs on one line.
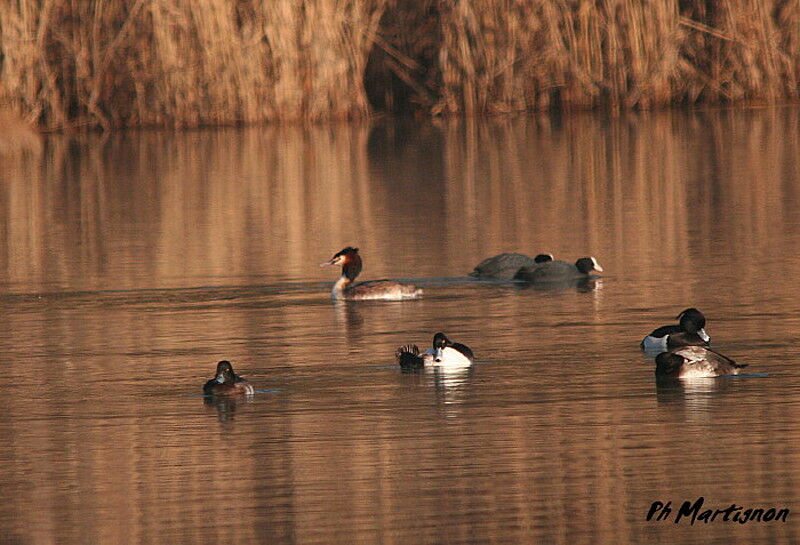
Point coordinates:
[[340, 286]]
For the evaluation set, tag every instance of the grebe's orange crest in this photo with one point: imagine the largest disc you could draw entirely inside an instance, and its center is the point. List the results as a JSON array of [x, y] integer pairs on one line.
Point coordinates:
[[350, 261], [347, 255]]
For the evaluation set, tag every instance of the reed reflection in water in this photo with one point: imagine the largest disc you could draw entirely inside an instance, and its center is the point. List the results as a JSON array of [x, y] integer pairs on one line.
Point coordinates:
[[130, 265]]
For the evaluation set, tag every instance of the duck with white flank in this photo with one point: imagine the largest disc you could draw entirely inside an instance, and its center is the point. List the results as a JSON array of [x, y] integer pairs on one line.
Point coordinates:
[[695, 362], [443, 353], [505, 266], [561, 271], [387, 290], [689, 331], [226, 382]]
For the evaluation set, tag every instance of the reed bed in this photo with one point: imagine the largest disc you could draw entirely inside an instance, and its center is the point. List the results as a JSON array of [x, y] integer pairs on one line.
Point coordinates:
[[17, 137], [68, 63], [519, 55]]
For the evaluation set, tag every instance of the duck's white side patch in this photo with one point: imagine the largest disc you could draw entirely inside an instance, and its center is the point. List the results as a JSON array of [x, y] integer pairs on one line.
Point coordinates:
[[697, 372], [451, 356], [651, 343]]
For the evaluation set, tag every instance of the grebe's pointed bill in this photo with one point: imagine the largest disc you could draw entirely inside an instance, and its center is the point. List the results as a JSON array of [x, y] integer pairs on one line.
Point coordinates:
[[335, 260], [340, 256], [597, 266]]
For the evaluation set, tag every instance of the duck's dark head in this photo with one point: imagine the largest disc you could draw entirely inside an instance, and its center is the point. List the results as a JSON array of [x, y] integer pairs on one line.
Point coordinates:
[[543, 258], [588, 264], [350, 261], [669, 364], [440, 342], [225, 374], [693, 321]]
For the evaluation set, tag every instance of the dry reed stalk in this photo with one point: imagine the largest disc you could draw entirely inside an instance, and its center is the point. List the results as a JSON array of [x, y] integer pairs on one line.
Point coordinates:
[[27, 82], [199, 78], [336, 43], [518, 55], [752, 52], [17, 136], [106, 63], [503, 55], [185, 63]]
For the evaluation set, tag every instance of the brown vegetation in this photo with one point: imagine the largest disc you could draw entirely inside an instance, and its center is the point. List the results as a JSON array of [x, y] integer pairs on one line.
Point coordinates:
[[519, 55], [17, 137], [189, 63]]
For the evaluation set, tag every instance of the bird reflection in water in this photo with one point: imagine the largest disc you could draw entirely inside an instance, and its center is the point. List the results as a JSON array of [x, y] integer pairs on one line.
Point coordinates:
[[699, 396], [227, 406], [349, 318], [581, 285], [450, 384]]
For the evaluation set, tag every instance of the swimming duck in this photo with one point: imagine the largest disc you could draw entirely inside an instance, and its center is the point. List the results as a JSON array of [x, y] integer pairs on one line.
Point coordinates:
[[444, 352], [688, 332], [561, 271], [505, 266], [344, 288], [695, 362], [226, 382]]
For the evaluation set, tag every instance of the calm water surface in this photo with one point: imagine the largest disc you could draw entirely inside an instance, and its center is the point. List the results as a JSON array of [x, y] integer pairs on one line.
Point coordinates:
[[130, 265]]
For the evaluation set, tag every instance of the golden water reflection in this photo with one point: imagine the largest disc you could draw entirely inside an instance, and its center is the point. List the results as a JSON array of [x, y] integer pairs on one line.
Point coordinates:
[[156, 209], [108, 442]]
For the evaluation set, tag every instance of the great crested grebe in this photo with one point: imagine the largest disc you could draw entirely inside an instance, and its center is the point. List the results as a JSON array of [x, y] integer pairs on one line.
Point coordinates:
[[444, 353], [561, 271], [506, 266], [695, 362], [344, 288], [226, 382], [688, 332]]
